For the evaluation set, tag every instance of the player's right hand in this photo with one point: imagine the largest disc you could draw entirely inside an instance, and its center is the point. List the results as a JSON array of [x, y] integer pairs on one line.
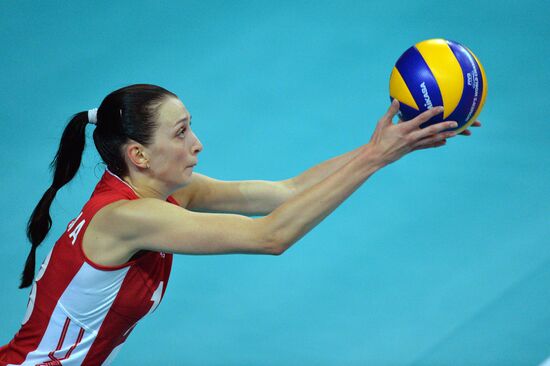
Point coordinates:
[[392, 141]]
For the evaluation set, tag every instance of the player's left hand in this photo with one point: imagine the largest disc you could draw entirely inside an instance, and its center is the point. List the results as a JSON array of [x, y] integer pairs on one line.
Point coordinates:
[[467, 132]]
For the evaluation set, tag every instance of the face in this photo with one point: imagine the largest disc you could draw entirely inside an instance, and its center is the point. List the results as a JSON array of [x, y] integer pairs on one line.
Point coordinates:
[[175, 147]]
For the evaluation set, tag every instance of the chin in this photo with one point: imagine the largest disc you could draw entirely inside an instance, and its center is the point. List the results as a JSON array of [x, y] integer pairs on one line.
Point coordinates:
[[187, 177]]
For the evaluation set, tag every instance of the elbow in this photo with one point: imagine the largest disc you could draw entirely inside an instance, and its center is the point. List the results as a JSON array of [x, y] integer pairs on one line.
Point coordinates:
[[276, 247], [280, 245], [276, 250], [291, 188], [274, 241]]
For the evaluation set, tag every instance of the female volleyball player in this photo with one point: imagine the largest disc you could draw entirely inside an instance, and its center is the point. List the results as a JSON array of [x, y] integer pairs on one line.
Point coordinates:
[[111, 266]]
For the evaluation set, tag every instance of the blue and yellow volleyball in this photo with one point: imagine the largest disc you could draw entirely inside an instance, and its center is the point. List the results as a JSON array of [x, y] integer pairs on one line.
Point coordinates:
[[439, 72]]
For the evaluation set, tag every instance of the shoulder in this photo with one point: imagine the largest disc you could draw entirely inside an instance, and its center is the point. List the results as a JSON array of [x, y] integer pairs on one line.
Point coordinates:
[[127, 219], [110, 216], [101, 241], [111, 235]]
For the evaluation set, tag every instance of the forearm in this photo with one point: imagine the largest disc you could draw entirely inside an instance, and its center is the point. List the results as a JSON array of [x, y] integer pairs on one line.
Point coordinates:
[[301, 213], [319, 172]]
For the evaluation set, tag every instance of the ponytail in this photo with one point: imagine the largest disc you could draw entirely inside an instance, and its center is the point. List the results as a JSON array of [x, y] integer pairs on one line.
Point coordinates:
[[65, 165]]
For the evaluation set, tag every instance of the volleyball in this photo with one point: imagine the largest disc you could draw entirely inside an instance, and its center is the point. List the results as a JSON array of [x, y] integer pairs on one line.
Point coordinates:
[[439, 72]]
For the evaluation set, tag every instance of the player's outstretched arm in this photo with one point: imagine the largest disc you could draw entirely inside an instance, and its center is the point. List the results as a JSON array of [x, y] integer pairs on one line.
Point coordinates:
[[261, 197], [253, 197], [244, 197], [157, 225]]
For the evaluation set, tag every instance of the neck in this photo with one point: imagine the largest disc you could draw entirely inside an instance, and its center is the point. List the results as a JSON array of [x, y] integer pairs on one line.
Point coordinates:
[[144, 187], [145, 190]]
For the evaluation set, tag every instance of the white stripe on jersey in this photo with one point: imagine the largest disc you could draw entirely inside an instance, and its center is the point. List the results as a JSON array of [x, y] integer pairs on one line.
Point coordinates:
[[88, 297]]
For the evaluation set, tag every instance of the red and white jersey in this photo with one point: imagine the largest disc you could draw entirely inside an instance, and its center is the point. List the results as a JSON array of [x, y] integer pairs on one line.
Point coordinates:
[[80, 312]]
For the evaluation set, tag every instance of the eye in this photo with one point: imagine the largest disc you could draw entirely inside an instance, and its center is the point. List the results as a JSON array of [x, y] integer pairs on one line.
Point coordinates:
[[182, 131]]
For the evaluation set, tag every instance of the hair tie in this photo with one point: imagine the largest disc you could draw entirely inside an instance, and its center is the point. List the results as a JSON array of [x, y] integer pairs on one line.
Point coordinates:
[[92, 116]]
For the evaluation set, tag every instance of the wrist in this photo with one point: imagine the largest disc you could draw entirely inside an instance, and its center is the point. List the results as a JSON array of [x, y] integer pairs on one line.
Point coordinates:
[[371, 158]]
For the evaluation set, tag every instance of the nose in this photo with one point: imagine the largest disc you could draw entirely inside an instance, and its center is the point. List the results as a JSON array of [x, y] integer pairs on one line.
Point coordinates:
[[197, 146]]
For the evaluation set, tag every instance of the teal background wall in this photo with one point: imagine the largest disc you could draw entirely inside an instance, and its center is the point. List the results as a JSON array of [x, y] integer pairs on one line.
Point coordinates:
[[441, 258]]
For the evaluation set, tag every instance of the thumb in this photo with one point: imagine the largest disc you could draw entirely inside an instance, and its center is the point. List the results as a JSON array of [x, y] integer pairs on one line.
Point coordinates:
[[392, 110]]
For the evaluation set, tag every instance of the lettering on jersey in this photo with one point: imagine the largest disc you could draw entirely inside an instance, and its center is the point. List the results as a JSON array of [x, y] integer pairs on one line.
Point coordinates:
[[74, 234], [73, 221]]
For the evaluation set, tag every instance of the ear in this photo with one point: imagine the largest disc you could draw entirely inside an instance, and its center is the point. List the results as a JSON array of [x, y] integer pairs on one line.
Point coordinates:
[[137, 156]]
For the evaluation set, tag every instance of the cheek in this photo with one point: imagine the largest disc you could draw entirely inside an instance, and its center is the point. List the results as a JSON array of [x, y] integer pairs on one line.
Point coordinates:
[[178, 152], [162, 156], [171, 152], [161, 153]]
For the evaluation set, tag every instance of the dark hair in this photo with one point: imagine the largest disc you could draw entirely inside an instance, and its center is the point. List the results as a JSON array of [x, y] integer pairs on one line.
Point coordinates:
[[126, 113]]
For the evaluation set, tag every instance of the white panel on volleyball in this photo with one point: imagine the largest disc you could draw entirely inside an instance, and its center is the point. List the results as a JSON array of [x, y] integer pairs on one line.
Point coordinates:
[[85, 302]]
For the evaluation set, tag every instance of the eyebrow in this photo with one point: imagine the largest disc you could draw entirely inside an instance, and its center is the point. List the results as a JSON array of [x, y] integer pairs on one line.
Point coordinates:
[[183, 120]]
